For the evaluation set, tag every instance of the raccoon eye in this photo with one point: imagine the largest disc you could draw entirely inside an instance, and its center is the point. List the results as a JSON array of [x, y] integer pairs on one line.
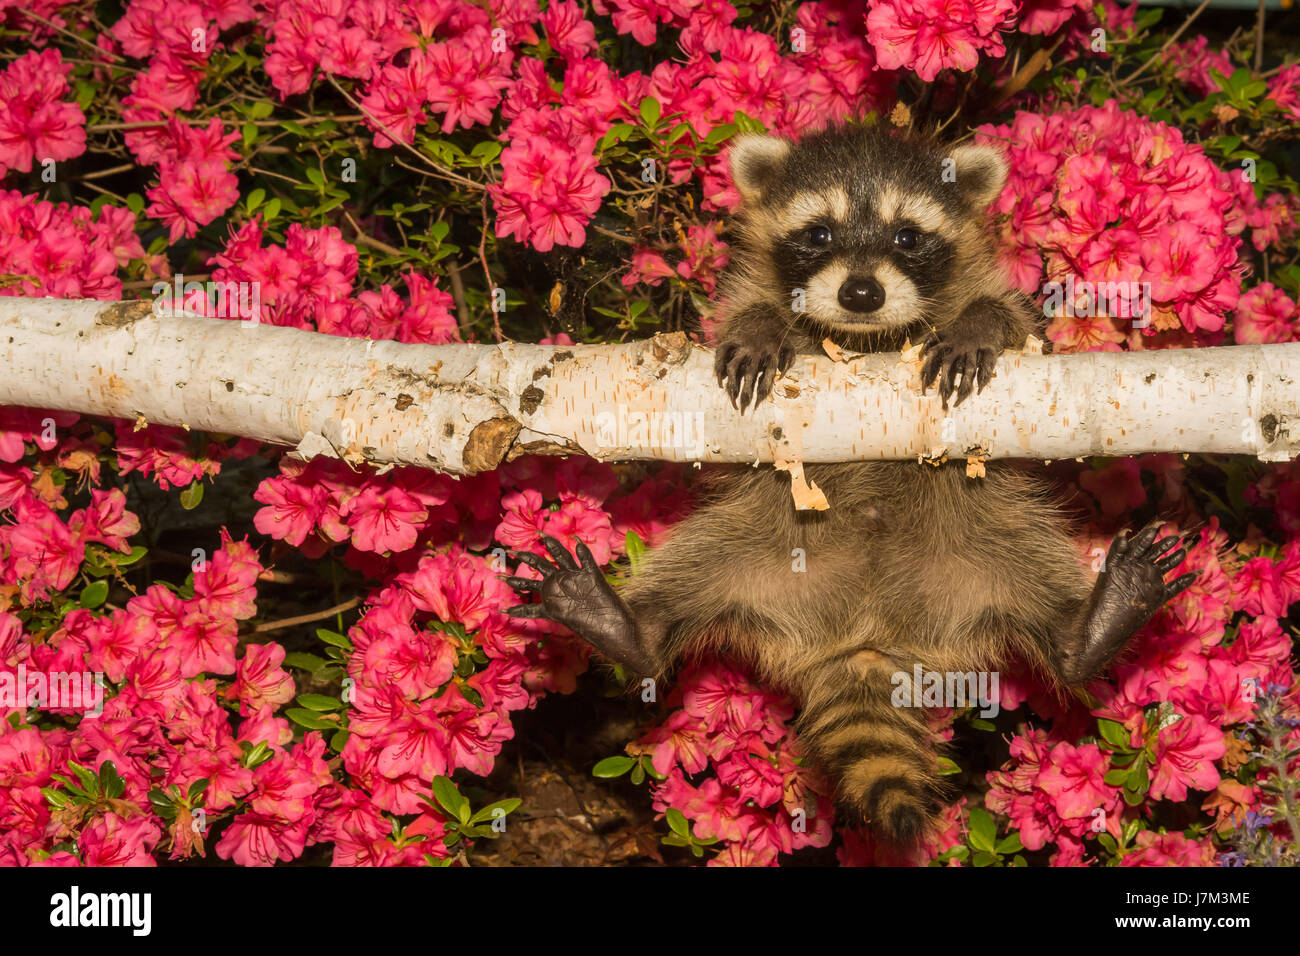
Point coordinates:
[[819, 236], [906, 238]]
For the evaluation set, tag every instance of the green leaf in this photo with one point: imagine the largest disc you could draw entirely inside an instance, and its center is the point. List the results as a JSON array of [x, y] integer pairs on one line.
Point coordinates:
[[110, 784], [334, 638], [126, 560], [979, 723], [471, 695], [1010, 844], [196, 790], [307, 662], [983, 859], [192, 496], [448, 797], [331, 203], [720, 133], [89, 780], [612, 767], [308, 719], [339, 740], [1114, 733], [94, 594], [650, 111], [983, 830], [747, 124], [315, 176], [635, 549], [319, 702], [486, 152], [948, 767], [615, 134], [678, 823], [1116, 777], [272, 209], [680, 130], [485, 815]]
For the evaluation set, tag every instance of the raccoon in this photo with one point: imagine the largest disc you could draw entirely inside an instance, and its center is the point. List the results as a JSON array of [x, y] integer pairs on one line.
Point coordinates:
[[870, 238]]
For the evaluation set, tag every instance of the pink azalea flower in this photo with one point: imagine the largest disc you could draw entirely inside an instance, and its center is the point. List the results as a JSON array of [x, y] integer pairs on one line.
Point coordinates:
[[1184, 757]]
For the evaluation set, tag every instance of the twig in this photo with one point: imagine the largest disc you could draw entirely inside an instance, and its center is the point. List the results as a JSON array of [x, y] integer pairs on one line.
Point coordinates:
[[370, 241], [106, 192], [613, 235], [458, 294], [101, 173], [487, 273], [392, 135], [226, 121], [1259, 36], [1168, 43], [306, 618], [80, 39], [1033, 66]]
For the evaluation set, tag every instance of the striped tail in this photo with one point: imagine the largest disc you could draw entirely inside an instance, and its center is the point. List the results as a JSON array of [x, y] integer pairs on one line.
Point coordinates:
[[880, 754]]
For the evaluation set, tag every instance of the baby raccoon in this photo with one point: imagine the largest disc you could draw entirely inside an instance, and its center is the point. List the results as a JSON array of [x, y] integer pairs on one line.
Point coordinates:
[[869, 238]]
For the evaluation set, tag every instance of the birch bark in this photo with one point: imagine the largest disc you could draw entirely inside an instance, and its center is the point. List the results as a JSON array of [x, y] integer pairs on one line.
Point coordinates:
[[467, 408]]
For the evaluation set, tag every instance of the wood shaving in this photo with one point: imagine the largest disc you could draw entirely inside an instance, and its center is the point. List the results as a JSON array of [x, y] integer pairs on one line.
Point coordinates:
[[1033, 346], [975, 466]]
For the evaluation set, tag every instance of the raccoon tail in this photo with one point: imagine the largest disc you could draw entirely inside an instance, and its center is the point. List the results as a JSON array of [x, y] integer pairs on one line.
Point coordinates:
[[880, 753]]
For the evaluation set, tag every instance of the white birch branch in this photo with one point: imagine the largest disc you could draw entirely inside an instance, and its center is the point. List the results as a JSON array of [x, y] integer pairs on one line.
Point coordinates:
[[467, 408]]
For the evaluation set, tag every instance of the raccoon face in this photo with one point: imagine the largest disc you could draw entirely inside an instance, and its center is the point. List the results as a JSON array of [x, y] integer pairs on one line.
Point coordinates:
[[864, 229], [861, 269]]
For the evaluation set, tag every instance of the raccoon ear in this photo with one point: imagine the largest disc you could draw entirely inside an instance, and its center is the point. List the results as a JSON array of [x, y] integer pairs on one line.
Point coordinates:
[[755, 160], [980, 173]]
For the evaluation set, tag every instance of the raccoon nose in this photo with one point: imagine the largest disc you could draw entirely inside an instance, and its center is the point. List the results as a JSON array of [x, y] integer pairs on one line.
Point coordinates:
[[862, 295]]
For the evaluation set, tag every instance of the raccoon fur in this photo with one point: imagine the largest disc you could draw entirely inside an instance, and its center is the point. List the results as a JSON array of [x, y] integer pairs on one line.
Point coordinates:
[[871, 238]]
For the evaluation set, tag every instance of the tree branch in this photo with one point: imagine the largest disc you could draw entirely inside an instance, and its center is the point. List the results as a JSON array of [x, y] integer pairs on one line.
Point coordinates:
[[467, 408]]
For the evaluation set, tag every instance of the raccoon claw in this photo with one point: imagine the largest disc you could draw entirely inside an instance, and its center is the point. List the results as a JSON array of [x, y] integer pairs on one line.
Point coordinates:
[[746, 373], [1130, 589], [946, 361], [576, 594]]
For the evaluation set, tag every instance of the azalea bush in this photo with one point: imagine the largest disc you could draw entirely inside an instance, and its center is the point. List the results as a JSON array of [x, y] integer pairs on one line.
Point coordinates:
[[309, 660]]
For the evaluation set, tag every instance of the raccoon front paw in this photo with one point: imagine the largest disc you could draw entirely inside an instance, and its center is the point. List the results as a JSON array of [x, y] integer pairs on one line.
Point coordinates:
[[577, 595], [1128, 592], [748, 371], [968, 352]]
